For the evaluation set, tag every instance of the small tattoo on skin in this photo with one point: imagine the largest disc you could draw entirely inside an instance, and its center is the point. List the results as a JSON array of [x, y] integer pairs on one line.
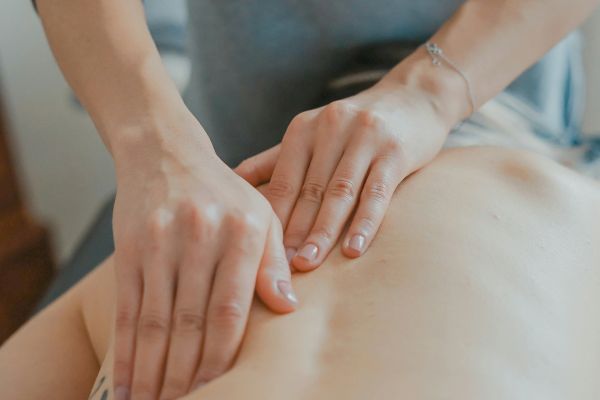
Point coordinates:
[[98, 386]]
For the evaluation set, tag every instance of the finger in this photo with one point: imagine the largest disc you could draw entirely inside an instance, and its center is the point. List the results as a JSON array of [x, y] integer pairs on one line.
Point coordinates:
[[340, 200], [129, 298], [274, 280], [327, 155], [307, 208], [258, 169], [291, 167], [384, 177], [189, 314], [153, 324], [230, 300]]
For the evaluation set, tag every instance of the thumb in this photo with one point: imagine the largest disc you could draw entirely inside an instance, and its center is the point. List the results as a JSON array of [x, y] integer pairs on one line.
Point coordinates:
[[273, 282], [259, 168]]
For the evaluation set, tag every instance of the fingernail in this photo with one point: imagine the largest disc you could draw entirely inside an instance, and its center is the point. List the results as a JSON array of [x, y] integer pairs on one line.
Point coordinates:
[[290, 252], [198, 385], [285, 287], [121, 393], [357, 242], [309, 252]]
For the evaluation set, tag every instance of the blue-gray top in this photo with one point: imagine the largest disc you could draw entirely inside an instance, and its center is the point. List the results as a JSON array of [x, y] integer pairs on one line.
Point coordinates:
[[257, 63]]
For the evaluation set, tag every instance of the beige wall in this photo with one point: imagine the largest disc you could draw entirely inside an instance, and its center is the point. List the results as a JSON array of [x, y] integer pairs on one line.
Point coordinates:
[[65, 168]]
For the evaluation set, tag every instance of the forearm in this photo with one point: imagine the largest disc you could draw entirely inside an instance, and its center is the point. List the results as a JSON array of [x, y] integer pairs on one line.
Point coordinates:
[[108, 57], [492, 41]]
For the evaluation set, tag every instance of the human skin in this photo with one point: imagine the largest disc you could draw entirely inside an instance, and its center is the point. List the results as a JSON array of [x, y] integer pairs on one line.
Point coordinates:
[[351, 154], [165, 265], [481, 284]]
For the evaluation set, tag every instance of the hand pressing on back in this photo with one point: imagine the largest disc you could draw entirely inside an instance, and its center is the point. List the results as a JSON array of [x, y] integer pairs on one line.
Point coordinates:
[[340, 164], [193, 241]]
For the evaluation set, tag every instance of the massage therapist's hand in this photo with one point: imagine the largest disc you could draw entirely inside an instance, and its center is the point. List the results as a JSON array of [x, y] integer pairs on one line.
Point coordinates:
[[342, 162], [193, 240]]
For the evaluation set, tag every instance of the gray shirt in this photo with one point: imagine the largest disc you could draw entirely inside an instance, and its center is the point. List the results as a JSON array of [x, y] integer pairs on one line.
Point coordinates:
[[257, 63]]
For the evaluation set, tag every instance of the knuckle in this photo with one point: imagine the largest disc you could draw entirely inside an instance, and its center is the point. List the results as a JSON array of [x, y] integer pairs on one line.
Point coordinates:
[[243, 222], [121, 366], [151, 325], [396, 153], [187, 205], [378, 191], [228, 314], [370, 120], [298, 122], [124, 319], [280, 188], [278, 260], [191, 212], [394, 146], [247, 167], [157, 226], [295, 236], [337, 111], [341, 188], [366, 224], [126, 244], [188, 321], [196, 223], [202, 222], [312, 191], [323, 232], [209, 217]]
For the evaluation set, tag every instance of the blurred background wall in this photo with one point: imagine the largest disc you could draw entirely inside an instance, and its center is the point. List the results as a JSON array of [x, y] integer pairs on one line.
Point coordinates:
[[63, 165], [61, 162], [65, 171]]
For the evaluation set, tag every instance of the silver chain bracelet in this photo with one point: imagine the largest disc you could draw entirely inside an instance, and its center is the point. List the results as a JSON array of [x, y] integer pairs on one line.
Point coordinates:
[[438, 56]]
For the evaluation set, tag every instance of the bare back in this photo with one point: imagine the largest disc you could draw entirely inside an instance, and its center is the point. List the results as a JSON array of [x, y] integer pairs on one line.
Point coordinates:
[[480, 284]]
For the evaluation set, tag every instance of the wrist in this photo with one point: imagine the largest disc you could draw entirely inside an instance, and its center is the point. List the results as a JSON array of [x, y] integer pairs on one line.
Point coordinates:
[[443, 87], [158, 141], [139, 96]]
